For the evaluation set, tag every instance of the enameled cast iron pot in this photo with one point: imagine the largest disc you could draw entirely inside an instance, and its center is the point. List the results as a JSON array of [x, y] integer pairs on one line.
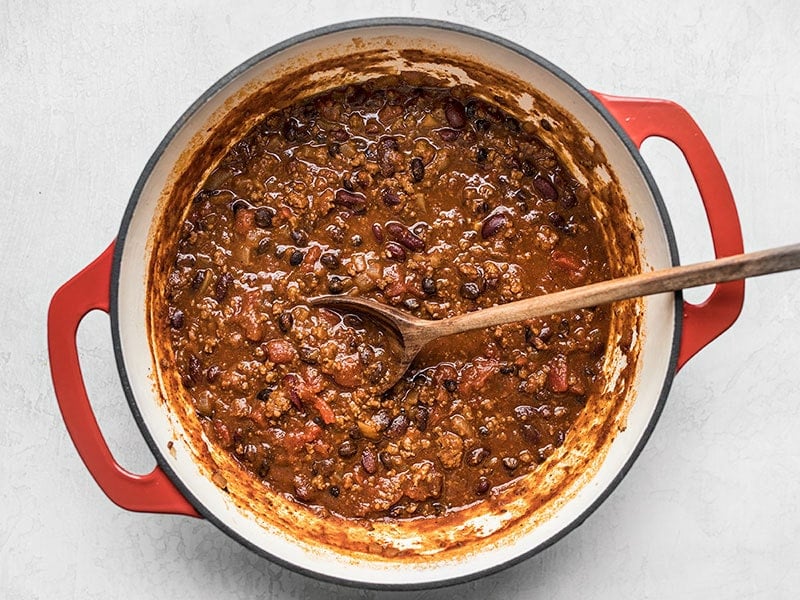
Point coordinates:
[[116, 283]]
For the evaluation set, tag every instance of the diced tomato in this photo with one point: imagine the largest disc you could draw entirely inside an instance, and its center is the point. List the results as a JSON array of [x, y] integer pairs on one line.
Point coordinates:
[[223, 433], [569, 262], [280, 351], [324, 410], [294, 440], [474, 376], [243, 222]]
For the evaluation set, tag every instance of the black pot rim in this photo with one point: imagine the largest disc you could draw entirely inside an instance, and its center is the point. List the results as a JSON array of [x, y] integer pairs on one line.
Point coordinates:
[[221, 83]]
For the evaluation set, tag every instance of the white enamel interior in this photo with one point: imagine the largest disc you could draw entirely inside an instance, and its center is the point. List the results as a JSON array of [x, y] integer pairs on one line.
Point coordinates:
[[659, 326]]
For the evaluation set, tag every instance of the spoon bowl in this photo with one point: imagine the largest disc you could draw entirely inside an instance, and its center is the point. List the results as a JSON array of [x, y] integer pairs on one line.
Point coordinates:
[[412, 333]]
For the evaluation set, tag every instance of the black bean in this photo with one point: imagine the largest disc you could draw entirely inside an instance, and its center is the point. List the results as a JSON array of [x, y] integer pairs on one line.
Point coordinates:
[[483, 431], [483, 486], [455, 113], [263, 246], [546, 125], [296, 257], [285, 321], [560, 437], [470, 290], [417, 169], [330, 260], [395, 251], [334, 149], [471, 108], [263, 469], [482, 125], [510, 462], [299, 237], [476, 456], [386, 460], [545, 188], [508, 369], [411, 303], [556, 219], [334, 491], [450, 385], [512, 124], [396, 511], [221, 286], [176, 318], [481, 154], [356, 240], [263, 395], [400, 233], [429, 286], [290, 129], [335, 284], [493, 224], [302, 489], [308, 354], [347, 449], [355, 202], [263, 217], [531, 434]]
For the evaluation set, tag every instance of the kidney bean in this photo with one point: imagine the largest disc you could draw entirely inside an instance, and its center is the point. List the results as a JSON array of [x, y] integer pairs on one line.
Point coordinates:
[[417, 169], [212, 373], [377, 231], [221, 287], [263, 217], [397, 427], [285, 321], [195, 367], [455, 113], [400, 233], [395, 251], [448, 135], [386, 460], [302, 489], [390, 197], [421, 414], [492, 224], [355, 202], [545, 188], [368, 460]]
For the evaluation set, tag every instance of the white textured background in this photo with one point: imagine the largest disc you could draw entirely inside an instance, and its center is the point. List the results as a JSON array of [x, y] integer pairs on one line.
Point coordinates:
[[88, 89]]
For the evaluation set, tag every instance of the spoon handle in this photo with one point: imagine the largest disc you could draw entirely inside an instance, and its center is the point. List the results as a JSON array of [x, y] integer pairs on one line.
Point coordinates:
[[729, 268]]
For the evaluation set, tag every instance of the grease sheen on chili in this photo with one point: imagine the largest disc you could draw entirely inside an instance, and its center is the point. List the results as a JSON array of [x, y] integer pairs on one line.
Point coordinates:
[[424, 198]]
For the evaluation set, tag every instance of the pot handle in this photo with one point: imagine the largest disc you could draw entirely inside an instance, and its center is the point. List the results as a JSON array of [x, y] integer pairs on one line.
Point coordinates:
[[642, 118], [85, 292]]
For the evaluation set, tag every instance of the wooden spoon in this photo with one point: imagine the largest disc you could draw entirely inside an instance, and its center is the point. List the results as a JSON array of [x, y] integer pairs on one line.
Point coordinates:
[[412, 334]]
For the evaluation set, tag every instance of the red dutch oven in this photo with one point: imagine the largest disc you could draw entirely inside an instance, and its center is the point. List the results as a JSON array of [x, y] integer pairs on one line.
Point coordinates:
[[116, 283]]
